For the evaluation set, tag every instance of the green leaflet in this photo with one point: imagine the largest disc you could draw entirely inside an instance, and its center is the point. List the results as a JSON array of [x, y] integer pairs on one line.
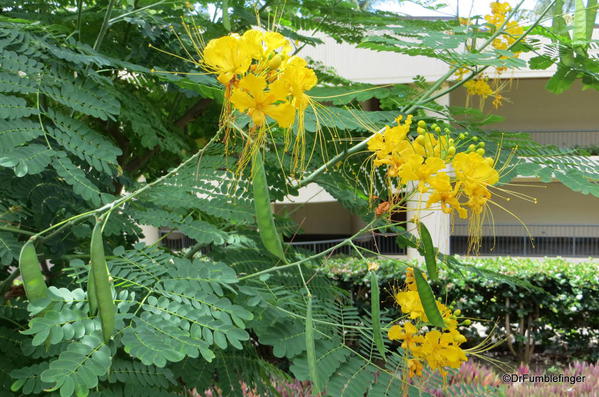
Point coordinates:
[[580, 23], [106, 306], [33, 279], [428, 300], [591, 15], [311, 349], [427, 249], [375, 310], [264, 218]]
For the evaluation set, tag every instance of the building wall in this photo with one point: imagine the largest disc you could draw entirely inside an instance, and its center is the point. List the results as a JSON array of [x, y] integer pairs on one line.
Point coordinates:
[[576, 214], [529, 106], [321, 218]]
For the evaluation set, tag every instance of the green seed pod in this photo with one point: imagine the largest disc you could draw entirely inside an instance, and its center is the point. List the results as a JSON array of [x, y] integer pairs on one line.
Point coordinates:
[[311, 349], [106, 306], [264, 218], [375, 310], [91, 294], [31, 273]]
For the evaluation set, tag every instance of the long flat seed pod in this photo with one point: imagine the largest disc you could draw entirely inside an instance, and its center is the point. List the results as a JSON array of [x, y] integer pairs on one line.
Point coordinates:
[[31, 273], [428, 251], [106, 306], [264, 217], [375, 310], [429, 304], [91, 294], [311, 349]]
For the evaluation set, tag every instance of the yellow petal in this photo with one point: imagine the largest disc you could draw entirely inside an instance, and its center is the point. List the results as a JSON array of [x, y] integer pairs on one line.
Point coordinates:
[[241, 100], [284, 114], [253, 84]]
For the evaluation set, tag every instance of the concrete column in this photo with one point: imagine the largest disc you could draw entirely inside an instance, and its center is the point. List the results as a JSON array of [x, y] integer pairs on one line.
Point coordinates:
[[151, 234], [436, 221]]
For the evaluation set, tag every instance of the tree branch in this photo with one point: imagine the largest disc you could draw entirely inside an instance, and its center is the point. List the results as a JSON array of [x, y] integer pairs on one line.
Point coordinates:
[[193, 112]]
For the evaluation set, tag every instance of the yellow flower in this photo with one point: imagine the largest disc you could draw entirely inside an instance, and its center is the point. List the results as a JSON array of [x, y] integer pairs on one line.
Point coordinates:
[[409, 301], [445, 194], [263, 44], [227, 56], [394, 332], [474, 174], [250, 97], [298, 78], [410, 280], [414, 367], [407, 334], [478, 87], [415, 170]]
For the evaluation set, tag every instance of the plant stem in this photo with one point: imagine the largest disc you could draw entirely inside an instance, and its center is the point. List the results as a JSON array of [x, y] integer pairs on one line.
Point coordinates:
[[288, 265], [16, 230], [104, 27]]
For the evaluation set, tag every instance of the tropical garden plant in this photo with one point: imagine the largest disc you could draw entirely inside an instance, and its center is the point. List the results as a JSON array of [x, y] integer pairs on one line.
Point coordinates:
[[194, 116]]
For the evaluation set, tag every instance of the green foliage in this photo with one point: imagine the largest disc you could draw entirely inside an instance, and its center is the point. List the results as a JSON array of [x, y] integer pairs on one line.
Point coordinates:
[[560, 298], [90, 111]]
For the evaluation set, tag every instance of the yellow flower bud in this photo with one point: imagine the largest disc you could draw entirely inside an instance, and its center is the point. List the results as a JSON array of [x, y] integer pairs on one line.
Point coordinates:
[[489, 161], [480, 151], [471, 148], [450, 141], [457, 312], [451, 150], [275, 62], [420, 139], [475, 138], [461, 136], [421, 123], [481, 144], [420, 130], [438, 130], [467, 322], [373, 266]]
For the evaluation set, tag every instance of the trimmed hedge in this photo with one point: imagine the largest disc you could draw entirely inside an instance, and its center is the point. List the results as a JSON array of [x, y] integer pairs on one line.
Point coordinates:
[[560, 319]]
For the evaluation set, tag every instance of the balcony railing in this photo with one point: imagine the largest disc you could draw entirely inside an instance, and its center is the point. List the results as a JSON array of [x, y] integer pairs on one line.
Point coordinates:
[[383, 243], [534, 240], [497, 240], [566, 139]]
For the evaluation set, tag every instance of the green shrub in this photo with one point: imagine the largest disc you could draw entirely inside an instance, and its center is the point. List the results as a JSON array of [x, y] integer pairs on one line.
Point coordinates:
[[560, 318]]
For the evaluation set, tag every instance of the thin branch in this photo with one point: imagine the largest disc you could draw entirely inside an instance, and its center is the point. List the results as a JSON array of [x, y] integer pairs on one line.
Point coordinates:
[[104, 26], [315, 256]]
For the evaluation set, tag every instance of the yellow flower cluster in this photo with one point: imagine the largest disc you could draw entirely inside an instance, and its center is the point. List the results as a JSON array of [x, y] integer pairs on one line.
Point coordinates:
[[512, 30], [478, 87], [262, 79], [427, 160], [439, 349], [510, 33]]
